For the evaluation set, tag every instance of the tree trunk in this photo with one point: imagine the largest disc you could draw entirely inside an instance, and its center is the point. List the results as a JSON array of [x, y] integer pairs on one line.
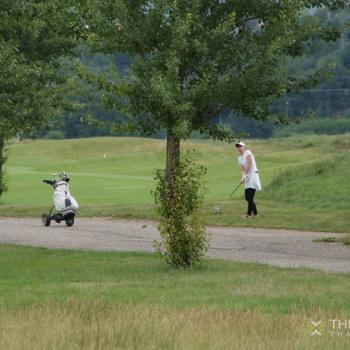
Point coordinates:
[[172, 162], [2, 162]]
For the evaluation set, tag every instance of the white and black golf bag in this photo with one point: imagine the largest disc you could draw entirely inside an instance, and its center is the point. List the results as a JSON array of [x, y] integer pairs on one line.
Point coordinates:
[[64, 203]]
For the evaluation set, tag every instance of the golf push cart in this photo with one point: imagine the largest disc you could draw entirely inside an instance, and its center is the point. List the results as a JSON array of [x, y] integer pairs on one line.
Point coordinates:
[[65, 206]]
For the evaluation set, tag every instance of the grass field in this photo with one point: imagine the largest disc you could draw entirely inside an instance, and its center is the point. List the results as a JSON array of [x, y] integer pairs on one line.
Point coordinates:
[[55, 299], [303, 179]]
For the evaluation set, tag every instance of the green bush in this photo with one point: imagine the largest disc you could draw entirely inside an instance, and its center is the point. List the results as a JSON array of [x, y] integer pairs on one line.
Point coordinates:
[[184, 239]]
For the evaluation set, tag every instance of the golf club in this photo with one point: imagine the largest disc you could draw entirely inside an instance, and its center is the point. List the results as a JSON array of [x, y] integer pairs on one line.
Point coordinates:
[[218, 209], [236, 188]]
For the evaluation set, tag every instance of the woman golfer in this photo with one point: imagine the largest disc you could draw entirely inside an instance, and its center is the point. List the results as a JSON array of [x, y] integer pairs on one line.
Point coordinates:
[[250, 177]]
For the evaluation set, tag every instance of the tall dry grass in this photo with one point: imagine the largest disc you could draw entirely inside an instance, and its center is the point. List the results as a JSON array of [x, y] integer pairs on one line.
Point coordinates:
[[98, 325]]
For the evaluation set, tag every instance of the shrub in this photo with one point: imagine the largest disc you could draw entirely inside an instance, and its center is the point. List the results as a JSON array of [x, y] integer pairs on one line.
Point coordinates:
[[184, 239]]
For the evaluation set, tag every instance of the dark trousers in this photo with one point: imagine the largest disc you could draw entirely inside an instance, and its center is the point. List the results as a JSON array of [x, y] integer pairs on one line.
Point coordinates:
[[249, 196]]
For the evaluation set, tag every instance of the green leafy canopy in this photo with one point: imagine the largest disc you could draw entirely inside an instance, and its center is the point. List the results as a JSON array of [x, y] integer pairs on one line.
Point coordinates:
[[192, 60], [33, 34]]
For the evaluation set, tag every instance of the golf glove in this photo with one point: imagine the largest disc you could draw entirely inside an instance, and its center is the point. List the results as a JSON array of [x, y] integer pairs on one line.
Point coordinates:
[[243, 178]]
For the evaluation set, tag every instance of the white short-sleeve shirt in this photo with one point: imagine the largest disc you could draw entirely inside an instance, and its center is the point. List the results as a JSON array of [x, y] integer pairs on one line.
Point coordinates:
[[253, 179]]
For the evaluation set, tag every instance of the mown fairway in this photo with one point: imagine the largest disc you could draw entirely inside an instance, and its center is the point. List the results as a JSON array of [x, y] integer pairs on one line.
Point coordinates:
[[114, 177], [85, 300]]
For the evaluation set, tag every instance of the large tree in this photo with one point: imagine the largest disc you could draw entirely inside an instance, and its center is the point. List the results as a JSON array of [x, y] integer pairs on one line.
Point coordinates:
[[33, 34], [192, 60]]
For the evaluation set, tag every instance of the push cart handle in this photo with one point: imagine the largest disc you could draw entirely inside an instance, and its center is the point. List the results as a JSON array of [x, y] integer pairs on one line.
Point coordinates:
[[49, 182]]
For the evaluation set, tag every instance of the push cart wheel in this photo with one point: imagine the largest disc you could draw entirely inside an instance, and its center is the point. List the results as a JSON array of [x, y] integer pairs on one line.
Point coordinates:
[[45, 219], [70, 222]]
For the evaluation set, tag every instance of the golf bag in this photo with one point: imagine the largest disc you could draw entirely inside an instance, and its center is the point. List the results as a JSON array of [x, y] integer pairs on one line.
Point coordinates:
[[62, 198], [64, 203]]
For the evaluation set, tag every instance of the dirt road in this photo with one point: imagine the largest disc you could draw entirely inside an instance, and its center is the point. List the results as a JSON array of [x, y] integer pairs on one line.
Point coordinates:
[[274, 247]]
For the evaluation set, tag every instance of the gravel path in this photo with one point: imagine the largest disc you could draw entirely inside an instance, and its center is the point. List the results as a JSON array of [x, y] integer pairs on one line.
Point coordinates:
[[274, 247]]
